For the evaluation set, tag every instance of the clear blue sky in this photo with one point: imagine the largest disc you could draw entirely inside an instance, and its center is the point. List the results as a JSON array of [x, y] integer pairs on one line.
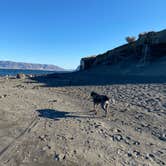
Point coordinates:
[[60, 32]]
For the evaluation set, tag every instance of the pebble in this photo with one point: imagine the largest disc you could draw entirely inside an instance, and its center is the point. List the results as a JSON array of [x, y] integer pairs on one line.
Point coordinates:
[[43, 137], [3, 96], [136, 143], [96, 126], [159, 135], [138, 129], [136, 153], [151, 155], [59, 157], [163, 137], [129, 155], [44, 148], [56, 157], [117, 137], [117, 130], [74, 151]]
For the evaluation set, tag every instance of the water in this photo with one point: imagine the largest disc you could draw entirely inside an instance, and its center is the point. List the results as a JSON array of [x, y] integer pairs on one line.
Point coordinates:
[[14, 72]]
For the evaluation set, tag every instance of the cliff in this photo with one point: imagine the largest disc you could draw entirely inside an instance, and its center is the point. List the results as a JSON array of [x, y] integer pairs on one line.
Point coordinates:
[[146, 49]]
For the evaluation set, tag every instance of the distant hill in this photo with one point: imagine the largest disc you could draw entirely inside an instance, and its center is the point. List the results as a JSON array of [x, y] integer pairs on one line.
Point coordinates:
[[28, 66]]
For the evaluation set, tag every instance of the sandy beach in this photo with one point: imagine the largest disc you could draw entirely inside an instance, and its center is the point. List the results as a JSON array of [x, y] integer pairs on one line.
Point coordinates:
[[44, 125]]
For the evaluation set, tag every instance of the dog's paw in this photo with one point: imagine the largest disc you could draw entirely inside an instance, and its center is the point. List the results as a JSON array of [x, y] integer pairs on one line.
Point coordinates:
[[104, 116]]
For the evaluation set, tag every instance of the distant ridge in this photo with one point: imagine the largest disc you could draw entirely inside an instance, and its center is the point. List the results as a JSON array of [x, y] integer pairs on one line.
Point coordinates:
[[28, 66]]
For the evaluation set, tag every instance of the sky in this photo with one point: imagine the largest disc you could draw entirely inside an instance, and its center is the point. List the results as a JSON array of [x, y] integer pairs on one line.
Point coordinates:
[[61, 32]]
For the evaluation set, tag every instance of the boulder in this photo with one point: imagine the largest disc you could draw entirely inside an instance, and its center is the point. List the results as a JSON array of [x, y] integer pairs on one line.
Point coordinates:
[[29, 75], [21, 76]]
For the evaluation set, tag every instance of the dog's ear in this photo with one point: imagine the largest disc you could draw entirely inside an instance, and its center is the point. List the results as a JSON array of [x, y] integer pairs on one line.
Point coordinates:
[[108, 98], [92, 93]]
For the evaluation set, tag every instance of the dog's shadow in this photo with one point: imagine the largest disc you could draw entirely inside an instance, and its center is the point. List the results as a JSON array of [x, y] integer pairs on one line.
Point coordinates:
[[57, 115]]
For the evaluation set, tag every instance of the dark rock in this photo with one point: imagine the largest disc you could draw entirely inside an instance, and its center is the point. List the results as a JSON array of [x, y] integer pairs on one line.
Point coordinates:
[[43, 137], [159, 135], [129, 155], [162, 137], [136, 143], [29, 75], [146, 157], [3, 96], [138, 129], [56, 157], [117, 137], [136, 153], [74, 151], [151, 155]]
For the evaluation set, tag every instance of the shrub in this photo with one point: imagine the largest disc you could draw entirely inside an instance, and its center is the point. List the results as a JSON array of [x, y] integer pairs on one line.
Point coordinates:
[[151, 33], [142, 34], [130, 39]]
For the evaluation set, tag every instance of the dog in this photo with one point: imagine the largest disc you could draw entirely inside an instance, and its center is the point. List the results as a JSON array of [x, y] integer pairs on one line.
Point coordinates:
[[103, 100]]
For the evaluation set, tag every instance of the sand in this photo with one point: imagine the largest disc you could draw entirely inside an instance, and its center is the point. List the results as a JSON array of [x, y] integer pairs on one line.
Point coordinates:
[[42, 125]]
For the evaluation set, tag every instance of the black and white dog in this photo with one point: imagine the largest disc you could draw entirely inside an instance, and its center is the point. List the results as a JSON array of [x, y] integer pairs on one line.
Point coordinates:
[[103, 100]]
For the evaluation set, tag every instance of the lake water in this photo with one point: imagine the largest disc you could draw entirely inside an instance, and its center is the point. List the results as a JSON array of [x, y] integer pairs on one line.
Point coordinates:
[[14, 72]]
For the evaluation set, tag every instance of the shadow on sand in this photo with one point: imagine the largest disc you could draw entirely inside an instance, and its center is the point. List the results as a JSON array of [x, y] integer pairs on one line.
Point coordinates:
[[57, 115]]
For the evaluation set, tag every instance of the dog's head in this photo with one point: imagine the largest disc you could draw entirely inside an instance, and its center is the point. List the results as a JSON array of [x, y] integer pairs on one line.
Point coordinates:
[[93, 94]]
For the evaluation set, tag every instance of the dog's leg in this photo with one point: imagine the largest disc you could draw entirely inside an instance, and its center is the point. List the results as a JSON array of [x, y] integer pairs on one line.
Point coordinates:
[[105, 106], [94, 108], [106, 109], [94, 105]]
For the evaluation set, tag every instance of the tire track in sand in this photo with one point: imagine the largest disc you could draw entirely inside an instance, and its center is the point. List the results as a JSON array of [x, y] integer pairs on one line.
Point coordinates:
[[15, 141]]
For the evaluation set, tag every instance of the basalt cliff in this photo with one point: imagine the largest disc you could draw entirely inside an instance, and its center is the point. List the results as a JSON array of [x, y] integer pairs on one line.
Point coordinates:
[[144, 52]]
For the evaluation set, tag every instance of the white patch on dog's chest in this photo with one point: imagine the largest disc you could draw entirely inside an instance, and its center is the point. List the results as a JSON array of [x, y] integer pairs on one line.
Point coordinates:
[[107, 102]]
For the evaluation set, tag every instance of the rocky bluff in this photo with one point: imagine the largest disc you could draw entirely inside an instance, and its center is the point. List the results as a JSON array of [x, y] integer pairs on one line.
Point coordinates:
[[148, 47]]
